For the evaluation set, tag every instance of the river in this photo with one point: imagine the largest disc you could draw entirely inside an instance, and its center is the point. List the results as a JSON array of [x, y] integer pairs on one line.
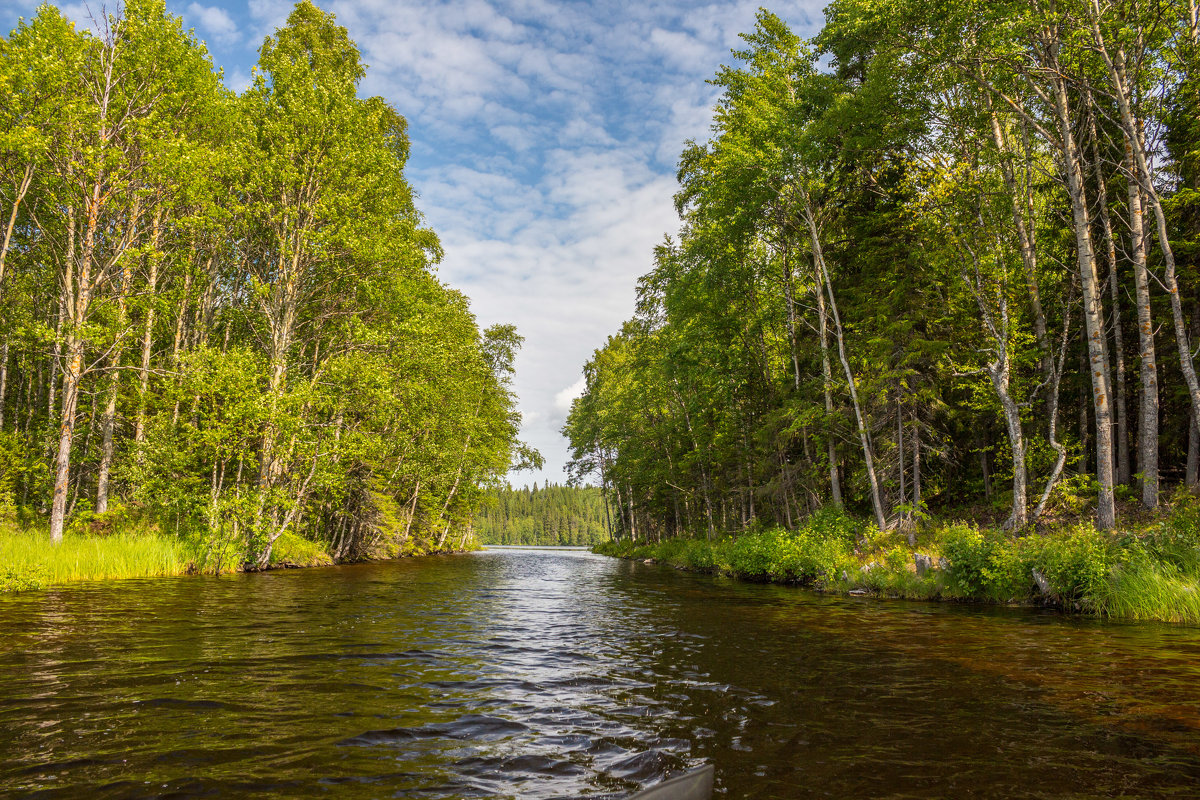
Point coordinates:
[[542, 674]]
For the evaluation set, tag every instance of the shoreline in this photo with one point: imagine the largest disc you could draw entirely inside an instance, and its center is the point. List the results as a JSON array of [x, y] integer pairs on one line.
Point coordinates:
[[40, 566], [1151, 575]]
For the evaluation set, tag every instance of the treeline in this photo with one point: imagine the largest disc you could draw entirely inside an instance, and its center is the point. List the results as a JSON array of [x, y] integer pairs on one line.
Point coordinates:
[[220, 310], [552, 515], [941, 254]]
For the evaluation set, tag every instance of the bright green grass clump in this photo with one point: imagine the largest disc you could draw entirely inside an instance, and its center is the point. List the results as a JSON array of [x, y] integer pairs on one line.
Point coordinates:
[[31, 561]]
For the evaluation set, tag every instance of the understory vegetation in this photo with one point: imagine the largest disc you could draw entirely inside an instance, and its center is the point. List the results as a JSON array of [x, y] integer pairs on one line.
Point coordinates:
[[223, 344], [1152, 573]]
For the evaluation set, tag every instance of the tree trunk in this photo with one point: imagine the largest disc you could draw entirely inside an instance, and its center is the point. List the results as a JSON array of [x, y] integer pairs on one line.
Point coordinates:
[[62, 463], [1093, 308], [863, 434], [1147, 460], [1115, 60], [1122, 431], [139, 429], [1058, 365], [900, 451], [835, 484], [1193, 454], [108, 424], [3, 381], [916, 468], [18, 196]]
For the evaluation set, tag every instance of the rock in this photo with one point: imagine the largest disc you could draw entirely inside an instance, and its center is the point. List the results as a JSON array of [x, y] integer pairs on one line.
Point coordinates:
[[858, 592], [648, 561], [869, 566], [1041, 581], [923, 562], [943, 564]]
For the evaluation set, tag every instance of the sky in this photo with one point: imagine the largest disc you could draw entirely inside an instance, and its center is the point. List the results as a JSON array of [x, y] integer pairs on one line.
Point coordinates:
[[545, 138]]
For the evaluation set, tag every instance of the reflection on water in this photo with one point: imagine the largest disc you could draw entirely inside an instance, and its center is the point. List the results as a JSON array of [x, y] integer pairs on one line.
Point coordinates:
[[527, 674]]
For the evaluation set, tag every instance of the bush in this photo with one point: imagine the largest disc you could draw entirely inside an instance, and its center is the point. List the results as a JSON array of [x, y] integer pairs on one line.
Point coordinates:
[[291, 550], [23, 578], [985, 564], [1075, 562]]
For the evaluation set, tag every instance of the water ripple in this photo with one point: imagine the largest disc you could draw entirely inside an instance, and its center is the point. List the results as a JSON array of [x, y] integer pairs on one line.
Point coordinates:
[[540, 675]]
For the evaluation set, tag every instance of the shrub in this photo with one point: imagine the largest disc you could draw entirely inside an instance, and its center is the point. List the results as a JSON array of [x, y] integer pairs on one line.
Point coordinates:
[[291, 550], [1076, 562], [985, 564], [23, 578]]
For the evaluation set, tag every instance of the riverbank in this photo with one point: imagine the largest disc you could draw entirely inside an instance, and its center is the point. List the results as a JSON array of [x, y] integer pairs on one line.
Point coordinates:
[[29, 561], [1152, 573]]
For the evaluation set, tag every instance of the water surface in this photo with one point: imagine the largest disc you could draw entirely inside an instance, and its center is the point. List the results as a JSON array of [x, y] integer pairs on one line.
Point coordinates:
[[534, 674]]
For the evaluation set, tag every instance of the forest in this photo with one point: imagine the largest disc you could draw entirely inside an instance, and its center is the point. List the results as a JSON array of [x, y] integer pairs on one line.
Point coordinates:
[[552, 515], [939, 260], [219, 313]]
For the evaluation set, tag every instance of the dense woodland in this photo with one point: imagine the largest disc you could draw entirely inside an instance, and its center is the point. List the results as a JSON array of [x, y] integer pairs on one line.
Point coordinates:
[[944, 254], [551, 515], [220, 310]]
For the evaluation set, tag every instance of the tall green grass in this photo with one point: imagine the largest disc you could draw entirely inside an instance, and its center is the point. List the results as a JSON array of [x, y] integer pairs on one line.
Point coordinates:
[[28, 560]]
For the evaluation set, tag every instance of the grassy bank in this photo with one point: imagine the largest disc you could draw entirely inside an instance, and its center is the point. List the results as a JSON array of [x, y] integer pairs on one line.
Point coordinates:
[[123, 545], [28, 560], [133, 549], [1152, 573]]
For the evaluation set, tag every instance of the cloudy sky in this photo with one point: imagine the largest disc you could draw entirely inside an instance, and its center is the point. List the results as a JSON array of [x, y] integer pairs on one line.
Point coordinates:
[[545, 138]]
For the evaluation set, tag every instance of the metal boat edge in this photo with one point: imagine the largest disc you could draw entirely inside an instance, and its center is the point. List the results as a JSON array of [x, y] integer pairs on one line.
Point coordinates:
[[694, 785]]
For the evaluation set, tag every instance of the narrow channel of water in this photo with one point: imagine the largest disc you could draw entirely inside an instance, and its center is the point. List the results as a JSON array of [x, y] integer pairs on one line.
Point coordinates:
[[534, 674]]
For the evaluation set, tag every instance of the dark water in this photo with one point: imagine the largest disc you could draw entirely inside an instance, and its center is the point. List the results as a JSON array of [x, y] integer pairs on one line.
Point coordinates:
[[559, 675]]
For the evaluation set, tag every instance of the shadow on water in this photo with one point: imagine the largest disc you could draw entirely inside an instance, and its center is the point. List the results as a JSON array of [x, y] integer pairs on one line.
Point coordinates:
[[534, 674]]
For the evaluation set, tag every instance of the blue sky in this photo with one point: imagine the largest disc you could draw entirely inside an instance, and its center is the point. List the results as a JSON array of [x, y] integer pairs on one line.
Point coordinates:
[[545, 139]]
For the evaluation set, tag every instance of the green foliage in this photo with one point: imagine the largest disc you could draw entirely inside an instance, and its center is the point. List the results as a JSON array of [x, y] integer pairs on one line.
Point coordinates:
[[1076, 562], [265, 355], [1148, 575], [985, 563], [291, 550], [1145, 590], [31, 577], [806, 556]]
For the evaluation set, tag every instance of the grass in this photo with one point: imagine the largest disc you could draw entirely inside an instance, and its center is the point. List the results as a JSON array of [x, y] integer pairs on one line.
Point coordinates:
[[28, 560], [1152, 573]]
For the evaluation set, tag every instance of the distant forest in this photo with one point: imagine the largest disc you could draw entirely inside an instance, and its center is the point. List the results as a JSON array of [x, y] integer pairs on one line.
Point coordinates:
[[552, 515]]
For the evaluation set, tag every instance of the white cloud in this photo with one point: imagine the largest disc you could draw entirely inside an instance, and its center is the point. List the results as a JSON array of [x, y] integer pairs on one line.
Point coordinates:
[[214, 21], [563, 400]]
